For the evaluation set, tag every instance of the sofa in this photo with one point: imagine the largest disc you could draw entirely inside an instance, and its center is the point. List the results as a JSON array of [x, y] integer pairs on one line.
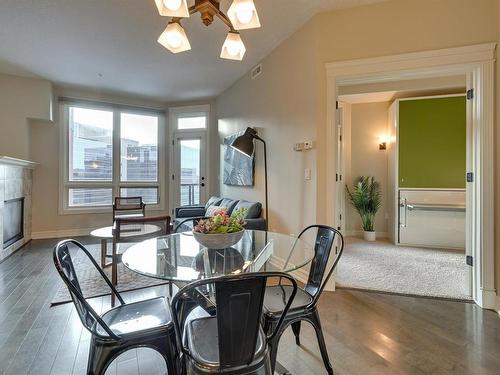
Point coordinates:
[[253, 217]]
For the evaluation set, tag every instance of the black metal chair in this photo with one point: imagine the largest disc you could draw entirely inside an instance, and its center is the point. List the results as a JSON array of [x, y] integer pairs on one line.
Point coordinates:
[[304, 306], [232, 341], [131, 325]]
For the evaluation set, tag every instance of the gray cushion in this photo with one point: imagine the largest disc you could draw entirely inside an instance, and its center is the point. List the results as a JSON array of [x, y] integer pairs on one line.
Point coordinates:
[[229, 204], [253, 209], [213, 201]]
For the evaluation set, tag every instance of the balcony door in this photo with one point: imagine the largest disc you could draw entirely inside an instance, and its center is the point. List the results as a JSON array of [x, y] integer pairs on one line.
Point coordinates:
[[190, 155]]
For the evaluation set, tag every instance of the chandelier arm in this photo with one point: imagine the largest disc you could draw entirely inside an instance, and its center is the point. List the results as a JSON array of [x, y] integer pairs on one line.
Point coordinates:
[[226, 20]]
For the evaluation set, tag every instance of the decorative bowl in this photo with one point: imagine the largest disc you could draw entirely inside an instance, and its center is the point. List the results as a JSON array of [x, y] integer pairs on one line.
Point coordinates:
[[218, 241]]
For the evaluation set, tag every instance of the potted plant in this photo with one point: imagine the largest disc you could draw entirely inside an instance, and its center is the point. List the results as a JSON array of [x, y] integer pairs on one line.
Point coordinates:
[[221, 230], [366, 198]]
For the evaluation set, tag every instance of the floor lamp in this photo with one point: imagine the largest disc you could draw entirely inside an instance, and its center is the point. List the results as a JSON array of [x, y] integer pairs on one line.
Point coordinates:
[[244, 144]]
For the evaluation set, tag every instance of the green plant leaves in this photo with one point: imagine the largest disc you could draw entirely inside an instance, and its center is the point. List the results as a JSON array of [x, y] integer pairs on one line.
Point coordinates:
[[366, 197]]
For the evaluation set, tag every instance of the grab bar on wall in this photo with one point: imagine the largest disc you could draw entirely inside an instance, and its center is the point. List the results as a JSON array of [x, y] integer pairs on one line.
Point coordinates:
[[435, 207]]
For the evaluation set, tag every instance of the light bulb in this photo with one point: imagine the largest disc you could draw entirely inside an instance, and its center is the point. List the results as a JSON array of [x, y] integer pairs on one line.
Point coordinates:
[[233, 48], [244, 12], [172, 4], [174, 39]]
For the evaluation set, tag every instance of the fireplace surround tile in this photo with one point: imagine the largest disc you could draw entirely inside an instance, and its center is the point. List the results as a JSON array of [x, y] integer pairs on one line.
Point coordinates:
[[16, 182]]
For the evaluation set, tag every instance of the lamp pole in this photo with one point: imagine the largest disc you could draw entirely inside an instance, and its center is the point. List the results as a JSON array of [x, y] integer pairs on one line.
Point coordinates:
[[265, 179]]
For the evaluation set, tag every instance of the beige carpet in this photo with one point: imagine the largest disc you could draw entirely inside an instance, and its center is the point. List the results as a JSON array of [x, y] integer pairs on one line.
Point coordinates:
[[382, 266], [92, 283]]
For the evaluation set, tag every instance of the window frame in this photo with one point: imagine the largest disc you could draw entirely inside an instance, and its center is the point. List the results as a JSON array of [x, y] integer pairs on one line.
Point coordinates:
[[115, 184], [173, 132]]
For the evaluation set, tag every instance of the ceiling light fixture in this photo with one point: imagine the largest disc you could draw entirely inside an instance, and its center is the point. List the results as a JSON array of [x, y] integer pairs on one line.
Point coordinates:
[[242, 14], [174, 38], [233, 47], [172, 8]]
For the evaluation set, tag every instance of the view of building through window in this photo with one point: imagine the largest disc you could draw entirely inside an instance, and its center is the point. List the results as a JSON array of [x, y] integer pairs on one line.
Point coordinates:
[[190, 171], [91, 155]]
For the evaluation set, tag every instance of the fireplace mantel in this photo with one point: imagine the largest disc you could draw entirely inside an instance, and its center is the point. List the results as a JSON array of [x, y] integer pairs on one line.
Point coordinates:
[[7, 160]]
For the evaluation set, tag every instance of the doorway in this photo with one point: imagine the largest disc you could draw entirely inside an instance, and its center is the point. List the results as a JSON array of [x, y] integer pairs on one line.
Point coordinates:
[[477, 64], [189, 155], [413, 143]]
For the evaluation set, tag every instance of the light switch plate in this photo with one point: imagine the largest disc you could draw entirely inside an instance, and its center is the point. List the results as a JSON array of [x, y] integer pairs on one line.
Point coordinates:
[[307, 174], [308, 145]]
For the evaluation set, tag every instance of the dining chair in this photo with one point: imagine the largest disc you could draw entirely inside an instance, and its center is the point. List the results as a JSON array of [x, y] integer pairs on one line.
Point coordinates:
[[134, 230], [304, 306], [231, 341], [144, 323], [128, 207]]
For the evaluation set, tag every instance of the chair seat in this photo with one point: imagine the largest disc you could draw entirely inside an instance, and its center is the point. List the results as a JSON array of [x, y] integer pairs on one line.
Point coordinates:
[[203, 343], [136, 317], [276, 297]]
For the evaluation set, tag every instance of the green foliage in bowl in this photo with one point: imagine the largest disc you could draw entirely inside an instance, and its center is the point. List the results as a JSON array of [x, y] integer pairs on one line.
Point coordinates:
[[222, 223]]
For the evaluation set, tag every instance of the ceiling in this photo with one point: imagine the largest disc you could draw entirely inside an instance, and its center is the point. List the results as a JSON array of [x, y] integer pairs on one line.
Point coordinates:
[[110, 45]]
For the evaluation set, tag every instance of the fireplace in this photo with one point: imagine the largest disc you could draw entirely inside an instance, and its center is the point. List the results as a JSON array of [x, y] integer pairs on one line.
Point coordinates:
[[13, 221]]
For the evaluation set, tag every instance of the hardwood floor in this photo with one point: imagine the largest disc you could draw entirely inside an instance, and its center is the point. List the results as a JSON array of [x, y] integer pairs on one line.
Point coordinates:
[[366, 333]]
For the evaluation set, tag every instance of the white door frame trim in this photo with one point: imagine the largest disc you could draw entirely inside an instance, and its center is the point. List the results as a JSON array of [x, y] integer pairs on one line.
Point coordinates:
[[477, 63]]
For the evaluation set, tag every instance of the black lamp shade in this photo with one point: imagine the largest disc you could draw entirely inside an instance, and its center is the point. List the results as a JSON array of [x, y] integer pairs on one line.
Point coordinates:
[[244, 143]]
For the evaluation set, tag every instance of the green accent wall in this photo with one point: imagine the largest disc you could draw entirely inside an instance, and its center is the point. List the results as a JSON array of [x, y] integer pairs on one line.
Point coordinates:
[[432, 143]]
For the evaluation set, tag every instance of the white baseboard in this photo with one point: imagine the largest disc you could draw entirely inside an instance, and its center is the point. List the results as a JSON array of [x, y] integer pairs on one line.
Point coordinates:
[[359, 233], [67, 233]]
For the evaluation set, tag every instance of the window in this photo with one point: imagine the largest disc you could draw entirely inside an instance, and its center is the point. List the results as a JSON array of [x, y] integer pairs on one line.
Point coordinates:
[[189, 123], [110, 152]]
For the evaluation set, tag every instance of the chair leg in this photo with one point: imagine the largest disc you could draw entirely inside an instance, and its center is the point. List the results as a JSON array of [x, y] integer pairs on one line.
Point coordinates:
[[316, 323], [98, 359], [166, 347], [296, 332]]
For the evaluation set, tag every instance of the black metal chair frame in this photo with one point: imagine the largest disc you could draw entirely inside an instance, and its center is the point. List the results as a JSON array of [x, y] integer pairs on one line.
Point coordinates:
[[193, 219], [315, 285], [185, 297], [104, 349]]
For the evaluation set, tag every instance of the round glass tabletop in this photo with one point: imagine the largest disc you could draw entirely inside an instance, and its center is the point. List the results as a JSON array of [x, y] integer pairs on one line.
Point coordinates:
[[128, 230], [179, 257]]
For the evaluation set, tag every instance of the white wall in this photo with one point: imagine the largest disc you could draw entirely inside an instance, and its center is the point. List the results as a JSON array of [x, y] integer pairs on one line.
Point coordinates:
[[275, 104], [368, 124], [22, 100]]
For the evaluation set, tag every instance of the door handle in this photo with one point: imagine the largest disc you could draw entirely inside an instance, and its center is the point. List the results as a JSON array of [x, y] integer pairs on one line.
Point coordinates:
[[403, 205]]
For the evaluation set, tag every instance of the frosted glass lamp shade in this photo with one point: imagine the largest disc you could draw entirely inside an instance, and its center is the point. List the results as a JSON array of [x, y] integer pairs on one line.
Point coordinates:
[[233, 48], [172, 8], [243, 15], [174, 38]]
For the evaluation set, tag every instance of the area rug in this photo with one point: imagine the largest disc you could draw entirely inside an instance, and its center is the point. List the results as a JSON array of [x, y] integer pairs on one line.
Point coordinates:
[[382, 266], [92, 283]]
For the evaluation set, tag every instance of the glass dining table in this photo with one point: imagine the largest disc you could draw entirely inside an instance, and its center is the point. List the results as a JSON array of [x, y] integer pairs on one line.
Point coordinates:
[[180, 259]]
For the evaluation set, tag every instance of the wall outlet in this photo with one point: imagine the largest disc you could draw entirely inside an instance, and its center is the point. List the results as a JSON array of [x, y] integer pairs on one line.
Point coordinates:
[[298, 146], [308, 145], [307, 174]]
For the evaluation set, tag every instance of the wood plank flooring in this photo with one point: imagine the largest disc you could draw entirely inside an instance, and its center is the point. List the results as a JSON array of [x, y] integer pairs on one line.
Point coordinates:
[[366, 333]]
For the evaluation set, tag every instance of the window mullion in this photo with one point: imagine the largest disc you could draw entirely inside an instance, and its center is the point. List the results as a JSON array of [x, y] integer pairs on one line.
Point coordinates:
[[116, 152]]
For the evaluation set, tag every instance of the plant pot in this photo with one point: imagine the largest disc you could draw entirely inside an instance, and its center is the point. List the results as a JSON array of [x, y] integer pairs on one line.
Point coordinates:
[[218, 241], [369, 236]]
